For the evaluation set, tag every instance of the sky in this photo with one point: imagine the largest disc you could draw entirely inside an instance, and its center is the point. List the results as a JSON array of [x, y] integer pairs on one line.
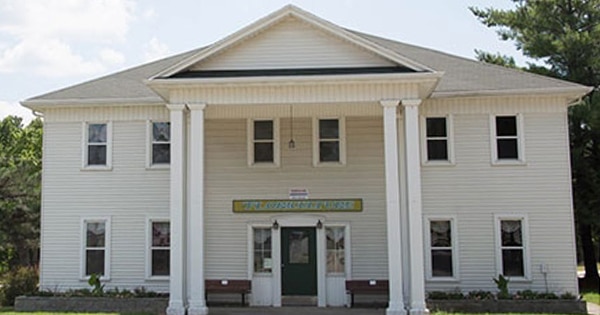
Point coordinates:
[[46, 45]]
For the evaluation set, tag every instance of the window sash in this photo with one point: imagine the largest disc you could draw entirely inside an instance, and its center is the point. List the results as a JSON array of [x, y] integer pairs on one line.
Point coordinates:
[[442, 259], [512, 258], [263, 153], [97, 249]]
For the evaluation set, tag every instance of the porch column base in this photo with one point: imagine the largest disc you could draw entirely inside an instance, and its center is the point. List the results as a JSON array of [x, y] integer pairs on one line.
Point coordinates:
[[419, 311], [395, 309], [197, 310], [175, 308]]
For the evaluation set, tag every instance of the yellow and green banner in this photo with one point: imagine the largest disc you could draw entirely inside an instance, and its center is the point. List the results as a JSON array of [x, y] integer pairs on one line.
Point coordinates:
[[308, 205]]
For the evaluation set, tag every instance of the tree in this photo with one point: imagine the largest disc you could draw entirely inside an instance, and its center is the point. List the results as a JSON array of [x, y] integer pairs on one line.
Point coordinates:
[[20, 190], [565, 36]]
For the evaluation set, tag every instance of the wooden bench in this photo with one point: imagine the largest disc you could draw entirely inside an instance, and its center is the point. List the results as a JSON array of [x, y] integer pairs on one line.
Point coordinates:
[[366, 287], [242, 287]]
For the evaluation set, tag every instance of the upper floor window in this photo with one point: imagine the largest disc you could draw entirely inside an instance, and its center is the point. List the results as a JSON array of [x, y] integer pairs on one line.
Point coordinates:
[[507, 142], [329, 141], [97, 147], [512, 259], [160, 143], [263, 142], [96, 241], [437, 145], [160, 242]]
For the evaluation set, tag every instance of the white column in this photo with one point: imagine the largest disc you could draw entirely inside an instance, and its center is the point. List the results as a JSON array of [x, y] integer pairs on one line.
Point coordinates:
[[392, 194], [177, 208], [197, 303], [415, 217]]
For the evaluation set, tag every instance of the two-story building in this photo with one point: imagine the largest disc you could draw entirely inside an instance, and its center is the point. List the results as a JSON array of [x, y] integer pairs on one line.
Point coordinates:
[[299, 154]]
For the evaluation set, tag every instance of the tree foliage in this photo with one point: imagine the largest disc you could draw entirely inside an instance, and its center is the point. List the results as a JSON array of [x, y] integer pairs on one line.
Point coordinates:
[[565, 36], [20, 190]]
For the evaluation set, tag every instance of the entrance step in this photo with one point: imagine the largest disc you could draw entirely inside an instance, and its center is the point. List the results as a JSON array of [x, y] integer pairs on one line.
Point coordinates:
[[299, 300]]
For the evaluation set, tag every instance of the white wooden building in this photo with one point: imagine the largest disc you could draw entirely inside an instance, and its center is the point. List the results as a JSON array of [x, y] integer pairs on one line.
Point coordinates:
[[297, 142]]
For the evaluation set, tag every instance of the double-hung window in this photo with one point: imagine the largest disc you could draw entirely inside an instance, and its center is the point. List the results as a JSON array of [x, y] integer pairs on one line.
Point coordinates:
[[96, 247], [160, 242], [507, 139], [263, 142], [262, 249], [512, 256], [160, 143], [97, 145], [437, 144], [329, 141], [441, 256], [336, 249]]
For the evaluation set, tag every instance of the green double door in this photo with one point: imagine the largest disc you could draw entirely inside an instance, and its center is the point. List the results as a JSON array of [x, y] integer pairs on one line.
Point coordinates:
[[299, 261]]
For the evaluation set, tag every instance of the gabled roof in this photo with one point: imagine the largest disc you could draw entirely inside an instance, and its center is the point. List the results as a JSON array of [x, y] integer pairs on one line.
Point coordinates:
[[462, 77]]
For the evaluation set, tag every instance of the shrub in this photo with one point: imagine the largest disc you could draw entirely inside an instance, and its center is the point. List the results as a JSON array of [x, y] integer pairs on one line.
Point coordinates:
[[480, 295], [19, 281]]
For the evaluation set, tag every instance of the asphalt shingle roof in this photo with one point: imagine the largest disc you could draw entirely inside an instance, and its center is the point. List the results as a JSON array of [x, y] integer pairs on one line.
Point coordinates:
[[461, 76]]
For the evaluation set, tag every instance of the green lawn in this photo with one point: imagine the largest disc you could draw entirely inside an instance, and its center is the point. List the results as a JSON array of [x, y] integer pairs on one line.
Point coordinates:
[[10, 311], [593, 297]]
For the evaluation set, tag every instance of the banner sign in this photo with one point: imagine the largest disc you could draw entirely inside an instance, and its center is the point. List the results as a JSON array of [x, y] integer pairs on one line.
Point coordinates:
[[309, 205]]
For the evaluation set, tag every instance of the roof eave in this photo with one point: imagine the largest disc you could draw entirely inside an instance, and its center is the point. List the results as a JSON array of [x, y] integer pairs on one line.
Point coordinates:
[[41, 104], [571, 93]]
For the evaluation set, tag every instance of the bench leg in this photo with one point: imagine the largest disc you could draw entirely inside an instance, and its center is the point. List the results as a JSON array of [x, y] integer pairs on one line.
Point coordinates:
[[352, 299], [243, 299]]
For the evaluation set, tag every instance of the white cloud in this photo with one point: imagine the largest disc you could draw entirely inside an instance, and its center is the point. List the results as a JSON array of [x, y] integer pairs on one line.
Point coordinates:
[[155, 49], [48, 36], [15, 109]]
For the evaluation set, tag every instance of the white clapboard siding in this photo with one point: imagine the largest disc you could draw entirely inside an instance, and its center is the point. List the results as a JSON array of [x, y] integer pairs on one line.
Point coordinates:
[[128, 194], [228, 178], [474, 191], [292, 44]]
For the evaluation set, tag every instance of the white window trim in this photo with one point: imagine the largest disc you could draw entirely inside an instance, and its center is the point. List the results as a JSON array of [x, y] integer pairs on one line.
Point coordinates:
[[149, 150], [520, 141], [250, 238], [276, 143], [449, 140], [107, 246], [84, 147], [342, 140], [455, 261], [149, 221], [347, 248], [498, 243]]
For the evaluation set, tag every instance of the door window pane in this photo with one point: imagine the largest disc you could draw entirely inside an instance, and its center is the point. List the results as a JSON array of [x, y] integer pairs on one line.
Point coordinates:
[[335, 249], [298, 247], [262, 250]]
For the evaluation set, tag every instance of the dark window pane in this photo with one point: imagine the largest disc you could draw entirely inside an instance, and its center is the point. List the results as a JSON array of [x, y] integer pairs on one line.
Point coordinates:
[[511, 233], [262, 261], [506, 126], [97, 133], [436, 127], [335, 261], [441, 263], [512, 262], [329, 129], [161, 153], [95, 234], [96, 154], [161, 131], [335, 237], [160, 262], [94, 262], [161, 235], [329, 151], [508, 149], [441, 235], [263, 130], [437, 150], [263, 152]]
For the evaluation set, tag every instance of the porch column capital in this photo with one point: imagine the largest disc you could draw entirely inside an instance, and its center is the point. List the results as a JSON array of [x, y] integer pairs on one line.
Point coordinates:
[[389, 103], [196, 106], [176, 107], [411, 102]]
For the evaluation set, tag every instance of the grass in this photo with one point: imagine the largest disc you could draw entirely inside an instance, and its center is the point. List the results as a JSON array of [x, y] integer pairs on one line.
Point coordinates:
[[593, 297]]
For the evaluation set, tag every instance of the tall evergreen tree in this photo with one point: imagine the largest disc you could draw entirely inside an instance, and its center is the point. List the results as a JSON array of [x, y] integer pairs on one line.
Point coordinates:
[[565, 36]]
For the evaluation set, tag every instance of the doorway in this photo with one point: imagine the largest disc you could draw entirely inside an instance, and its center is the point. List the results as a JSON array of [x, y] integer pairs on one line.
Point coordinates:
[[298, 261]]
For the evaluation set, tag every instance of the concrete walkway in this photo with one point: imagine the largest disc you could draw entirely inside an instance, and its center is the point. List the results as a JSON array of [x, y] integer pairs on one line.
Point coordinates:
[[298, 310], [593, 309]]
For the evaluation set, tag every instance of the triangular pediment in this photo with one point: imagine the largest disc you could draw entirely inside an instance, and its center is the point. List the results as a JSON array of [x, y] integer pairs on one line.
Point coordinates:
[[292, 39], [292, 44]]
